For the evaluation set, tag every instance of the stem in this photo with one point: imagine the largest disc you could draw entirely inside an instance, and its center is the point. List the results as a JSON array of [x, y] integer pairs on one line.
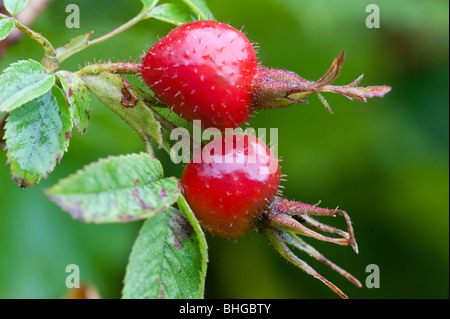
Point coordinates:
[[118, 68], [50, 60], [127, 25], [144, 14]]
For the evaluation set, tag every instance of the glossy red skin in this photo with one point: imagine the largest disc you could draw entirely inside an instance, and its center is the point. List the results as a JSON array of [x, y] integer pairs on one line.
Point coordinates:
[[227, 198], [203, 70]]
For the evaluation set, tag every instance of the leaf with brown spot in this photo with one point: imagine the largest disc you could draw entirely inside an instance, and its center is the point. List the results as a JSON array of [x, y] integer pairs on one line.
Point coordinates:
[[114, 92], [167, 259]]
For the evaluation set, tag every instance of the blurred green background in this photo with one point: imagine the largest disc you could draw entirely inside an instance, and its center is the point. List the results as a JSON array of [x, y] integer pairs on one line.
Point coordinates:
[[384, 162]]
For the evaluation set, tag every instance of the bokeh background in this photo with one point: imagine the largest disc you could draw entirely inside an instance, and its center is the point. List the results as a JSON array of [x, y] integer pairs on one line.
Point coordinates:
[[385, 162]]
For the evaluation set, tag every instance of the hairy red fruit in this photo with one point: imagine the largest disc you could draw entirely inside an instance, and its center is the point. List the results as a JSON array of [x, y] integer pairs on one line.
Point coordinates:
[[231, 185], [203, 70]]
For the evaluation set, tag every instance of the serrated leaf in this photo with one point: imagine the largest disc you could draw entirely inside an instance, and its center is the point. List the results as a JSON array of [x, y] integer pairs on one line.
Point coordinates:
[[37, 135], [15, 6], [77, 95], [6, 26], [73, 46], [22, 82], [171, 13], [166, 261], [113, 91], [117, 189], [200, 9]]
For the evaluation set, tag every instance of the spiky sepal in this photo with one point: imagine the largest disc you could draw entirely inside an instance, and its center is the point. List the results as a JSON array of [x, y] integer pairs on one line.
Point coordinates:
[[273, 88], [284, 220]]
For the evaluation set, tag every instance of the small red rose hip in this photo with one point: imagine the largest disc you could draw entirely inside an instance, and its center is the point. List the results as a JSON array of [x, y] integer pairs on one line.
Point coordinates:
[[203, 70], [232, 183]]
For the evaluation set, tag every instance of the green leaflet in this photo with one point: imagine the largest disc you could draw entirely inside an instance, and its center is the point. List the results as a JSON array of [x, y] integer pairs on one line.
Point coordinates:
[[149, 3], [15, 6], [171, 13], [77, 95], [22, 82], [116, 189], [6, 26], [73, 46], [200, 9], [167, 260], [202, 244], [169, 121], [37, 135]]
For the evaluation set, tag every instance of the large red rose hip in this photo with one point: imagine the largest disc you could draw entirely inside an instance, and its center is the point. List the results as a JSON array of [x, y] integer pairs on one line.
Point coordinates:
[[229, 188], [208, 71], [203, 70]]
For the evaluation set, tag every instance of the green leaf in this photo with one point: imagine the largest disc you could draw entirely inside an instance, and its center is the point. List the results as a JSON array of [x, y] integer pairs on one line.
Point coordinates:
[[37, 135], [22, 82], [73, 46], [169, 121], [148, 4], [77, 95], [200, 9], [166, 261], [171, 13], [6, 26], [117, 189], [183, 206], [15, 6], [113, 91]]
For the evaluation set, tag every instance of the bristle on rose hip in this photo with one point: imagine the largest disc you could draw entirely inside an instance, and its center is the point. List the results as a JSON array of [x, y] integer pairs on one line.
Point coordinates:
[[203, 70]]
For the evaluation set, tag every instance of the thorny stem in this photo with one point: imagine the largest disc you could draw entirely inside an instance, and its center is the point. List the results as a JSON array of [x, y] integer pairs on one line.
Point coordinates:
[[117, 68]]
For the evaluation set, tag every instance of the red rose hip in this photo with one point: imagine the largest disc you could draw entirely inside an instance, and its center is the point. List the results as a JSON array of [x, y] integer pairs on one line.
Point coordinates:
[[203, 70], [229, 188]]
